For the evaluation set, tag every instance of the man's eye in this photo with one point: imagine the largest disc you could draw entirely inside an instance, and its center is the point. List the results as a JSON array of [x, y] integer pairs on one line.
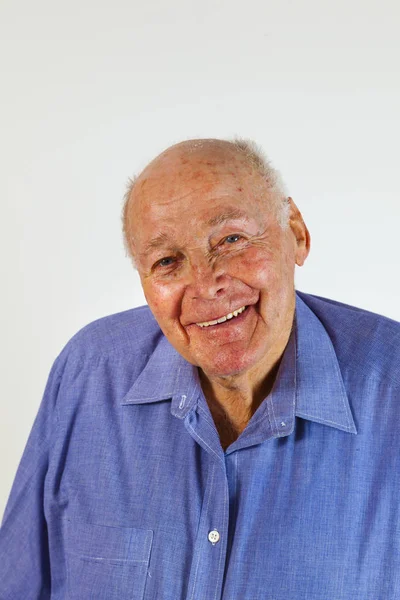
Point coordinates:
[[165, 262], [231, 239]]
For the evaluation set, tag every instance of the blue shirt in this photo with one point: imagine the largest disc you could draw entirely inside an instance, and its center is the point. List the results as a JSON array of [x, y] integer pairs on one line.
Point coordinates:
[[124, 491]]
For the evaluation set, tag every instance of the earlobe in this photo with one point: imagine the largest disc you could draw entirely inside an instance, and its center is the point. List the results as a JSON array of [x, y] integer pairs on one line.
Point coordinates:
[[303, 248], [300, 232]]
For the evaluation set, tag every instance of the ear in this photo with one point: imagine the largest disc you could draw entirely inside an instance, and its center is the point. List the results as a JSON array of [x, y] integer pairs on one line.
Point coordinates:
[[301, 234]]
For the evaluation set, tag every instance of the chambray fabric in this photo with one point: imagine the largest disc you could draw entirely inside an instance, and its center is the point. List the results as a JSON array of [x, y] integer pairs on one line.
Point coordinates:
[[123, 476]]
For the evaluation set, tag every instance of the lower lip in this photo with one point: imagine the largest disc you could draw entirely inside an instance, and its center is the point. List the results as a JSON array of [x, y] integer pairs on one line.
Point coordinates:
[[234, 321]]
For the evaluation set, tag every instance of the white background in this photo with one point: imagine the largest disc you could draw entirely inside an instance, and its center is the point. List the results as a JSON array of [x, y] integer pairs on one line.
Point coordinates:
[[92, 90]]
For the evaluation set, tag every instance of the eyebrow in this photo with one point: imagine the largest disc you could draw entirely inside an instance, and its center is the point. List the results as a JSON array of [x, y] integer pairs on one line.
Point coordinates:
[[229, 215], [157, 242], [162, 239]]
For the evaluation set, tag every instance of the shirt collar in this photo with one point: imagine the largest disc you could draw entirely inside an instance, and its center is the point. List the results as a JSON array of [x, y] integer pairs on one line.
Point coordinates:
[[320, 392], [320, 395], [166, 376]]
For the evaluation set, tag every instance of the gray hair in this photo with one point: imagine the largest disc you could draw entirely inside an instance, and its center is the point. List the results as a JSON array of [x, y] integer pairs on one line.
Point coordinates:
[[256, 157], [273, 179], [126, 233]]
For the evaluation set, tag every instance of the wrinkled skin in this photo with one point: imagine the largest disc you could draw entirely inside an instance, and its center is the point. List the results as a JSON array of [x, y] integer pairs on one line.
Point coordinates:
[[199, 270]]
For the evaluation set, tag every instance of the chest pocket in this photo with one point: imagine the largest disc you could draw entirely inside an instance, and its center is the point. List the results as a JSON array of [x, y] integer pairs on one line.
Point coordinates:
[[106, 563]]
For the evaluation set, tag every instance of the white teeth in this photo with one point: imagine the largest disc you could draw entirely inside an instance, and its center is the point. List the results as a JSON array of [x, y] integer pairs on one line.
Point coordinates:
[[235, 313]]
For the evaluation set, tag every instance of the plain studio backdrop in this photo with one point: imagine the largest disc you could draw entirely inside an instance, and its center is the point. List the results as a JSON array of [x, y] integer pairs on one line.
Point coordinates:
[[92, 90]]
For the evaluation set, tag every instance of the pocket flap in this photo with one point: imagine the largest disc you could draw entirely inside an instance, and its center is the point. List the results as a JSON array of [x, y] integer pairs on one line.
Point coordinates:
[[109, 542]]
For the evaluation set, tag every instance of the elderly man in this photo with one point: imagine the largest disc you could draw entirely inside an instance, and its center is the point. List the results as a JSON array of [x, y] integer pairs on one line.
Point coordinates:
[[233, 440]]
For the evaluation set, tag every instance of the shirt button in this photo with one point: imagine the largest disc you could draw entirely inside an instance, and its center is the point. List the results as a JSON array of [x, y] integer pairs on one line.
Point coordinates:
[[213, 536]]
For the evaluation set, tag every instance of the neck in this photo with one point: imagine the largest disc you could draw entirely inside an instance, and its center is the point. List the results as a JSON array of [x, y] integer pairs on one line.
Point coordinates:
[[240, 394]]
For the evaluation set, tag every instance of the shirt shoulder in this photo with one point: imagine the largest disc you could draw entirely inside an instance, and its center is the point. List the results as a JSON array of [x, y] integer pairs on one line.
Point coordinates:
[[128, 333], [363, 341], [102, 360]]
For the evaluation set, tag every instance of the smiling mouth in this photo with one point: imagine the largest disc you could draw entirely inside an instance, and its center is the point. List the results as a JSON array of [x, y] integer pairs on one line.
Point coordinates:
[[231, 315]]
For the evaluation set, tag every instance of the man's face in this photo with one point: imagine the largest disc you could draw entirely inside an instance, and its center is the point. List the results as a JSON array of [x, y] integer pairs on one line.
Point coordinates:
[[207, 244]]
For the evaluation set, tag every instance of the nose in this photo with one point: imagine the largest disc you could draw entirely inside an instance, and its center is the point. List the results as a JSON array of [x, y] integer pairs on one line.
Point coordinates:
[[207, 280]]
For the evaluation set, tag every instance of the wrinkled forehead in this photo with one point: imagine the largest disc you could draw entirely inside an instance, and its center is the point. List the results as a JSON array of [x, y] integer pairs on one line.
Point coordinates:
[[180, 171]]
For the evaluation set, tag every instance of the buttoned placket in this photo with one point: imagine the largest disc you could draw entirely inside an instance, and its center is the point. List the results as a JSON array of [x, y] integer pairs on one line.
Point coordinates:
[[209, 557]]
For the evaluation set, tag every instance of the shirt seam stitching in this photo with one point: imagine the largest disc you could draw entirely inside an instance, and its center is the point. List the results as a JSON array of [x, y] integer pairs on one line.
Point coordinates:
[[199, 556], [221, 552], [304, 414]]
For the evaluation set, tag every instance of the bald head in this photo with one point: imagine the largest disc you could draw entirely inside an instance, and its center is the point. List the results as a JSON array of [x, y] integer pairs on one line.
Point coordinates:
[[191, 164], [192, 153]]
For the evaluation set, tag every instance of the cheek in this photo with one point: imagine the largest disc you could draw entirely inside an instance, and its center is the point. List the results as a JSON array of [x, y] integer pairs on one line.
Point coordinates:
[[256, 267], [164, 300], [263, 269]]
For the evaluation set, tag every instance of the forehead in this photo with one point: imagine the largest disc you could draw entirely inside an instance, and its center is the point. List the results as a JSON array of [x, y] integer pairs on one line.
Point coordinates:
[[175, 172], [183, 185]]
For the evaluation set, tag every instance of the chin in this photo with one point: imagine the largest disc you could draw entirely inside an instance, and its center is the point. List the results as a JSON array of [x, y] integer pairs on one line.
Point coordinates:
[[226, 366]]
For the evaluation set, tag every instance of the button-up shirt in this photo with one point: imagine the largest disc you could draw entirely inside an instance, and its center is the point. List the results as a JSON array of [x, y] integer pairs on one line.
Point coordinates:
[[125, 493]]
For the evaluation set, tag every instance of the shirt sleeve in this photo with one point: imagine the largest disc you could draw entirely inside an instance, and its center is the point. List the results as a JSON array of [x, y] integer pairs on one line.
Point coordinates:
[[24, 547]]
